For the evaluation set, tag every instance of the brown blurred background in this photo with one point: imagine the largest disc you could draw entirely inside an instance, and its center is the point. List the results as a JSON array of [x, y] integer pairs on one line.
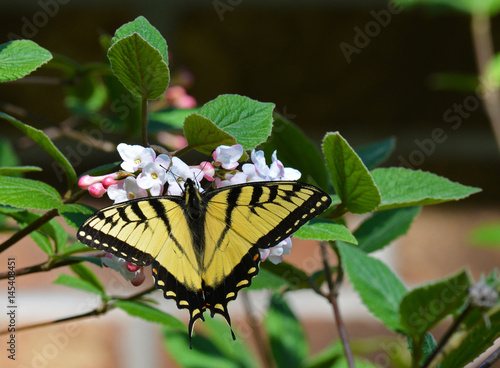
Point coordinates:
[[289, 53]]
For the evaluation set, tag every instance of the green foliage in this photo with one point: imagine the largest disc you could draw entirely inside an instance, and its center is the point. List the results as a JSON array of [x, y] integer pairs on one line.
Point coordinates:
[[423, 307], [379, 288], [374, 154], [490, 7], [148, 313], [46, 144], [139, 59], [204, 136], [26, 193], [384, 227], [19, 58], [322, 229], [78, 283], [75, 214], [402, 187], [486, 235], [240, 115], [286, 336], [351, 179]]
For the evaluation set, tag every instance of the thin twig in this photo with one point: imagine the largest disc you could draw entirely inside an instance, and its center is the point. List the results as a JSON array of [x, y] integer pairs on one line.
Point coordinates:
[[38, 222], [485, 52], [96, 312], [332, 298], [48, 265], [144, 121], [446, 336], [259, 338]]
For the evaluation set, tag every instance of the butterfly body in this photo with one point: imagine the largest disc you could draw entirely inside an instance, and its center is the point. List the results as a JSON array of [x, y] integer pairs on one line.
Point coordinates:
[[204, 247]]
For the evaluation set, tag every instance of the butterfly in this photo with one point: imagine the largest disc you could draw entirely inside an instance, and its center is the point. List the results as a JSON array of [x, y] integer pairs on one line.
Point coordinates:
[[204, 247]]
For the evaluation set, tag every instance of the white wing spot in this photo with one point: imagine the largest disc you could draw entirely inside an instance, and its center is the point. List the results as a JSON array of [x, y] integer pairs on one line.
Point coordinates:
[[296, 223], [97, 241], [115, 249], [161, 283], [324, 198], [123, 254], [105, 245], [289, 230], [88, 237], [134, 259], [312, 210], [304, 215], [81, 233], [318, 204]]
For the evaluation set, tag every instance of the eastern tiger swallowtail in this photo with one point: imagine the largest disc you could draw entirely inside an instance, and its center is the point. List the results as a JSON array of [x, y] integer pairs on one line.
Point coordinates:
[[204, 247]]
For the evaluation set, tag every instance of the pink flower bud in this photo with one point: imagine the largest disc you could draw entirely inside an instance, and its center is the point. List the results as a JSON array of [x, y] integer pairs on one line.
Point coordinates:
[[97, 190], [140, 278], [208, 170], [132, 267], [86, 181], [108, 181]]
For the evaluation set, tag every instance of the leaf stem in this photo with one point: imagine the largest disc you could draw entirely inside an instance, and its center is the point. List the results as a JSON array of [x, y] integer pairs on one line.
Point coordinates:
[[144, 121], [38, 222], [332, 298], [447, 336]]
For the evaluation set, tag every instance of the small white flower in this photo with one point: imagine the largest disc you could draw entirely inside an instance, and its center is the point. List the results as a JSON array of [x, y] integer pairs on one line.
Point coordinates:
[[126, 190], [276, 253], [178, 174], [228, 156], [120, 265], [259, 171], [135, 156], [152, 177]]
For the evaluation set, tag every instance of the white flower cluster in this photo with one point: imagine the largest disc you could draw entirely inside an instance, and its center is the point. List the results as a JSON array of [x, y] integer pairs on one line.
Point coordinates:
[[145, 174]]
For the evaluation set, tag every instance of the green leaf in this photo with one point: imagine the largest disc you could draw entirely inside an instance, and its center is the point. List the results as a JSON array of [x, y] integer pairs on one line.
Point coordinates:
[[285, 138], [487, 235], [16, 170], [149, 313], [168, 119], [401, 187], [425, 306], [205, 353], [88, 275], [322, 229], [8, 157], [384, 227], [351, 179], [379, 288], [267, 280], [78, 283], [204, 136], [288, 343], [139, 59], [470, 344], [236, 351], [77, 248], [374, 154], [141, 26], [295, 278], [75, 214], [26, 193], [248, 121], [19, 58], [46, 144], [88, 96]]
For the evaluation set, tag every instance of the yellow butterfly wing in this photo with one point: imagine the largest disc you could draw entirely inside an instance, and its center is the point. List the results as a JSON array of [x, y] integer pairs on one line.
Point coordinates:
[[152, 231], [242, 218]]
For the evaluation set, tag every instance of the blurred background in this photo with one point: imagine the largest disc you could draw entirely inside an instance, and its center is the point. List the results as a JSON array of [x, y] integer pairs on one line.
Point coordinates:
[[368, 69]]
